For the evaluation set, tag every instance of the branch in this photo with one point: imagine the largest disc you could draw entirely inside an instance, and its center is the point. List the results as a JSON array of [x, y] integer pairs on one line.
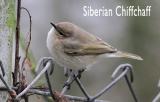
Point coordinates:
[[17, 58]]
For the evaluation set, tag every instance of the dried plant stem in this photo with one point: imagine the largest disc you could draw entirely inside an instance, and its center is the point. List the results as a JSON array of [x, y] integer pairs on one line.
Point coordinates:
[[17, 36]]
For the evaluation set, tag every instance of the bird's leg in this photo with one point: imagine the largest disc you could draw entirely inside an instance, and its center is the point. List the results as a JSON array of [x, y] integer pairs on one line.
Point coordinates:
[[68, 73], [69, 81], [72, 76]]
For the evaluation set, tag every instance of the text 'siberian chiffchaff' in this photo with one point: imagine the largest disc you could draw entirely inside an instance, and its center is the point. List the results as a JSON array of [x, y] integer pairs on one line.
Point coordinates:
[[72, 47]]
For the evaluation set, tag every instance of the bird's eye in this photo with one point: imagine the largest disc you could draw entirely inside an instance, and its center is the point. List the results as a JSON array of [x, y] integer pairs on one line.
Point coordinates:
[[58, 30]]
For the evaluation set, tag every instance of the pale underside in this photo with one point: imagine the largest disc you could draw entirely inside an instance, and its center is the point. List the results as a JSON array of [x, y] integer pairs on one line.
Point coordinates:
[[81, 50]]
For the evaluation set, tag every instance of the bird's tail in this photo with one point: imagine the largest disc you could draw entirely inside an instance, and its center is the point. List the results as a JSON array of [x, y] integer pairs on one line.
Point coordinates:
[[125, 55]]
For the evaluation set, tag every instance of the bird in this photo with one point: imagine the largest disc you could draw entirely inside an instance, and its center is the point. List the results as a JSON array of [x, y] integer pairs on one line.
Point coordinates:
[[75, 48]]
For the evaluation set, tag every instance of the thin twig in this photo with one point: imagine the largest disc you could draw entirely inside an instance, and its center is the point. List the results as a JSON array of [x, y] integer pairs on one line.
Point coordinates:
[[29, 41]]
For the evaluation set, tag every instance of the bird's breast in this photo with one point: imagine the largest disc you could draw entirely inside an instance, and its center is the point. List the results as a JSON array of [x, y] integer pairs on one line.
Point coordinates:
[[55, 47]]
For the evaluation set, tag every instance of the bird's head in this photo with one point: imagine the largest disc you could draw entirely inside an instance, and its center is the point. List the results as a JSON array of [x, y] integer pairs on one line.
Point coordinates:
[[64, 29]]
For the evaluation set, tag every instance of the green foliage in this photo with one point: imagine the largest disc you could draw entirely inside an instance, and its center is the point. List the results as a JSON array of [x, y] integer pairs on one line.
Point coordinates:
[[11, 18]]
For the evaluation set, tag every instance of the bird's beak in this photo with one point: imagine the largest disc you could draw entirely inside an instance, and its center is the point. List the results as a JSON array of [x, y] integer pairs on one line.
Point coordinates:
[[53, 25], [58, 30]]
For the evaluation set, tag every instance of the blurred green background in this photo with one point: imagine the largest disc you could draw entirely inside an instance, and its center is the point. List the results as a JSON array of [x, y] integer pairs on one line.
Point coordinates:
[[139, 35]]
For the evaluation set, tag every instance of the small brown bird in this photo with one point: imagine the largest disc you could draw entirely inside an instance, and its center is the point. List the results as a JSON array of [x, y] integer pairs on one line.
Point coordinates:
[[75, 48]]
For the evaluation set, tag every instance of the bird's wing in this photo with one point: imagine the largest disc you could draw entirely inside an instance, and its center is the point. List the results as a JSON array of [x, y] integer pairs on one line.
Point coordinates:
[[94, 48]]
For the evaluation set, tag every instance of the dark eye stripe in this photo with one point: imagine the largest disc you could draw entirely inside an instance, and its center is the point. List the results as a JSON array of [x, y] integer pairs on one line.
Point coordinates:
[[60, 32]]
